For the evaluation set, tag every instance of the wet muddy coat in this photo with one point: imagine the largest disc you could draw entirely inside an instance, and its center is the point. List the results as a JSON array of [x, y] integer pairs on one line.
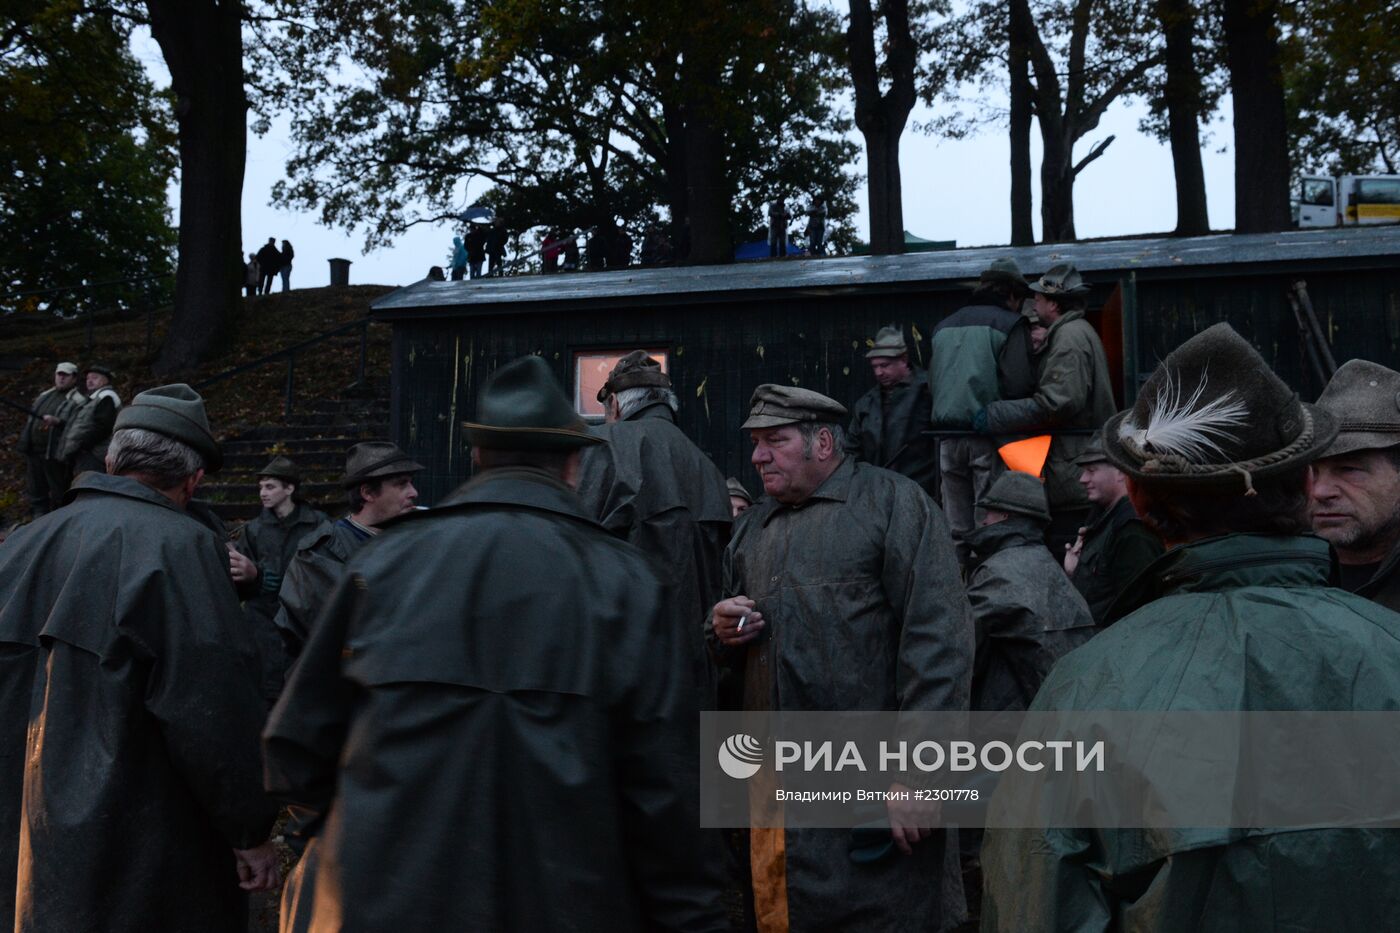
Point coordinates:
[[1074, 390], [309, 579], [1242, 622], [498, 749], [652, 487], [271, 543], [1028, 614], [126, 660], [888, 433], [864, 610]]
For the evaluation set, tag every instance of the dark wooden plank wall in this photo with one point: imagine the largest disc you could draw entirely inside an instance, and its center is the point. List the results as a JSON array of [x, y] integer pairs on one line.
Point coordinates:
[[719, 353]]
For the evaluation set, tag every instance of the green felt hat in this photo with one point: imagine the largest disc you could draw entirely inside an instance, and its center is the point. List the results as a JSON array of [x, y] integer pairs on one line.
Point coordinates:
[[521, 407], [177, 412]]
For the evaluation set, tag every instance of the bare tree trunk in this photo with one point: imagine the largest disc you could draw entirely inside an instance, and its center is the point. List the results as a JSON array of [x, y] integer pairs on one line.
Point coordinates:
[[1183, 97], [1022, 230], [1261, 135], [881, 117], [1056, 184], [707, 194], [202, 43]]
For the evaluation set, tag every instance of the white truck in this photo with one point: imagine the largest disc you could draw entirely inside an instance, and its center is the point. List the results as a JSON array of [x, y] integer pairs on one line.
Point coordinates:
[[1352, 200]]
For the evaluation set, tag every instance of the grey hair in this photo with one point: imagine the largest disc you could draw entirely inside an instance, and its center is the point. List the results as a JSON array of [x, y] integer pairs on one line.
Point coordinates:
[[631, 401], [810, 429], [167, 461]]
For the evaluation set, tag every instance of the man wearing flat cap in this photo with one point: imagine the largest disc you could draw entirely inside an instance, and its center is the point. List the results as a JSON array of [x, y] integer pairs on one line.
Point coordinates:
[[842, 593], [496, 682], [1073, 393], [652, 487], [269, 542], [85, 438], [1236, 615], [1356, 482], [378, 483], [46, 476], [888, 422], [137, 800], [1027, 613], [979, 354], [1114, 545]]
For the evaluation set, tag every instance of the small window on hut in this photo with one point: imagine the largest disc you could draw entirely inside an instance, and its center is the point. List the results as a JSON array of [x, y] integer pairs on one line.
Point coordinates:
[[591, 368]]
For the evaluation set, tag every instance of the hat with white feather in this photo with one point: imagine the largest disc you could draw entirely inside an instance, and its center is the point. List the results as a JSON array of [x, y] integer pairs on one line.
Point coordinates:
[[1214, 415]]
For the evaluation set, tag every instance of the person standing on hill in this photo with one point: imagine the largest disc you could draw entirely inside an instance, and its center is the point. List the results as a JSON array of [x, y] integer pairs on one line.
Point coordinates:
[[269, 261], [285, 270], [85, 439], [45, 479], [496, 239], [476, 249], [252, 275]]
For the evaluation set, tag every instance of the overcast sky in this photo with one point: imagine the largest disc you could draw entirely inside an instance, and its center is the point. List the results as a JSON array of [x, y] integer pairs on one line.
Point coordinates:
[[953, 190]]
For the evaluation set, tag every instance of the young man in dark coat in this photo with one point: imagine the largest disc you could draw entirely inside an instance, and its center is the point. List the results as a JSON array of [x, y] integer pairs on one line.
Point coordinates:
[[494, 711], [843, 593], [137, 803], [379, 484], [653, 488], [269, 542], [1115, 546], [1027, 613], [887, 423], [1237, 615]]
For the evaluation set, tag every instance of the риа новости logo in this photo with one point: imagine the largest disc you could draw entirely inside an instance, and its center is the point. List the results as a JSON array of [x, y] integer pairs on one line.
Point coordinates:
[[740, 756]]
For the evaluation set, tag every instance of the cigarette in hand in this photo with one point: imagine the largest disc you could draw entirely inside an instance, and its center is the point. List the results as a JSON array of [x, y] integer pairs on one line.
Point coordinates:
[[742, 619]]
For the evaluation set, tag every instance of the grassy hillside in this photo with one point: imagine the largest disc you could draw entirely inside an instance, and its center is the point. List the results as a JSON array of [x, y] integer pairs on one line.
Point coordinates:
[[29, 349]]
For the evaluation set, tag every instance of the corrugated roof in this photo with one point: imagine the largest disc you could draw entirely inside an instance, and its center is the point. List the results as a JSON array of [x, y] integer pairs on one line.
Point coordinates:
[[1159, 257]]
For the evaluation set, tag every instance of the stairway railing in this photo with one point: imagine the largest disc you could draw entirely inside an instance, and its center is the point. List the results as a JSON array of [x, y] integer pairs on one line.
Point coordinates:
[[290, 354]]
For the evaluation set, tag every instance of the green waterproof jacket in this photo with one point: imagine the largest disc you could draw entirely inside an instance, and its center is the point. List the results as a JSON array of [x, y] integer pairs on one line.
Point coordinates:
[[887, 430], [1074, 392], [310, 577], [863, 610], [1026, 612], [1241, 622], [1117, 546], [978, 354]]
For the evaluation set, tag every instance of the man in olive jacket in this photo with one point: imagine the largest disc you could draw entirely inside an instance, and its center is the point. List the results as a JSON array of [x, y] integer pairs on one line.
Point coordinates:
[[127, 663], [1114, 546], [1027, 613], [85, 437], [1236, 615], [1356, 482], [46, 477], [843, 593], [888, 422], [1074, 393], [653, 488], [495, 713]]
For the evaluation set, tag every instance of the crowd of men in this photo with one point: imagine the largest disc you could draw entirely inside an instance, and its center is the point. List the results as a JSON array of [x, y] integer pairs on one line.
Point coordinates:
[[484, 715]]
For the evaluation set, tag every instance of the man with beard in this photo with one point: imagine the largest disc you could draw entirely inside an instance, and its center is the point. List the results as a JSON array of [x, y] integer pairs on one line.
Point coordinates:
[[124, 659], [1356, 484], [888, 422], [653, 488], [493, 711], [843, 594]]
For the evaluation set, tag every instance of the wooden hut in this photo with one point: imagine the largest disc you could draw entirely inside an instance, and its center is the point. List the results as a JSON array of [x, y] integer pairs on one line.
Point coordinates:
[[722, 330]]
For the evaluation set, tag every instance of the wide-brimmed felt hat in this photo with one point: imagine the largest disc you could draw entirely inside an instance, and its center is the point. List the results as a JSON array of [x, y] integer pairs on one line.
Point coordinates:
[[370, 460], [1364, 397], [175, 411], [1005, 270], [281, 468], [1062, 279], [888, 342], [521, 407], [1214, 416], [736, 488], [1018, 493], [775, 405], [100, 368], [634, 371]]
